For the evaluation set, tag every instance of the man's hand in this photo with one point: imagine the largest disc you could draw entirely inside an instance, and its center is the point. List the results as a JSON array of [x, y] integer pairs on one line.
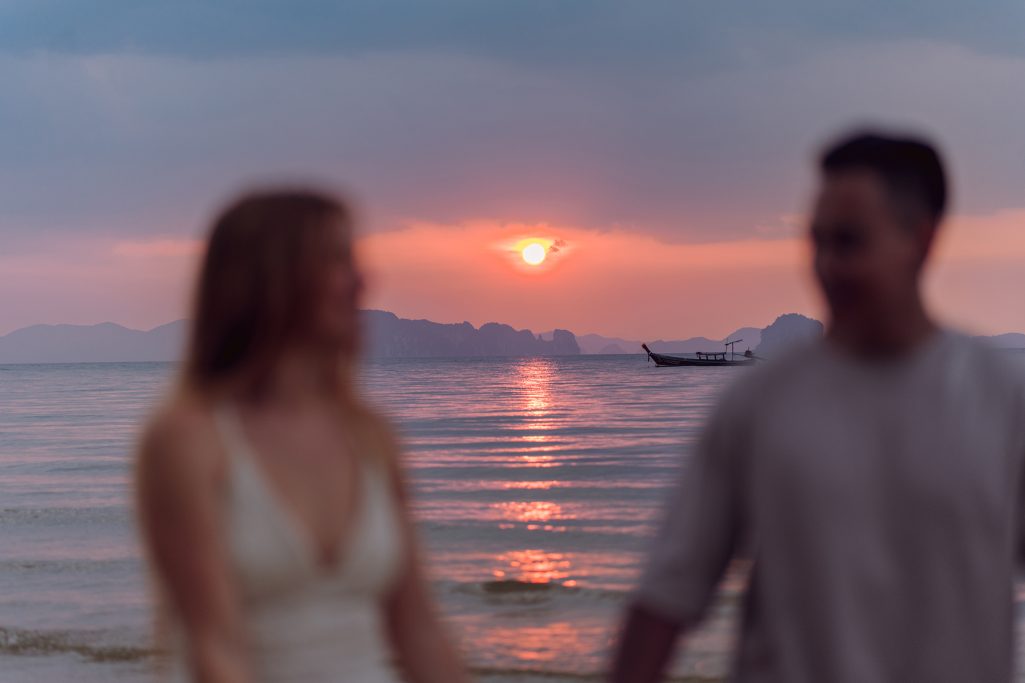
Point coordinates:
[[645, 646]]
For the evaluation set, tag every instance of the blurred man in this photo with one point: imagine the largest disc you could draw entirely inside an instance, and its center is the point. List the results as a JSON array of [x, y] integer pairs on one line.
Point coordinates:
[[873, 479]]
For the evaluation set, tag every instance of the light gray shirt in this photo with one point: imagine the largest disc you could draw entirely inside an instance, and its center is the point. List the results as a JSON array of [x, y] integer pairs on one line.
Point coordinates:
[[880, 504]]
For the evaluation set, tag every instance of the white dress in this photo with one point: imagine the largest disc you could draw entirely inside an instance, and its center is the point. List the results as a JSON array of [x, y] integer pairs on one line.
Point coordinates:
[[306, 623]]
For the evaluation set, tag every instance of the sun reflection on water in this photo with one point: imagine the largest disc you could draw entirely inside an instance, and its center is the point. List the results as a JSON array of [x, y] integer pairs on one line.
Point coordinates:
[[532, 511], [537, 514], [534, 566], [547, 642], [531, 485], [533, 381], [534, 377]]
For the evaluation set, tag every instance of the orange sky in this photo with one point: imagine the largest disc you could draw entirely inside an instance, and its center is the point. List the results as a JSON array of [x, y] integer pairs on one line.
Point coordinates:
[[636, 286], [625, 284]]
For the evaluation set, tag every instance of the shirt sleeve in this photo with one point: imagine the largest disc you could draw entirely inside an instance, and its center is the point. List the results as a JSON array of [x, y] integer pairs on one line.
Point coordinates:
[[1018, 417], [701, 525]]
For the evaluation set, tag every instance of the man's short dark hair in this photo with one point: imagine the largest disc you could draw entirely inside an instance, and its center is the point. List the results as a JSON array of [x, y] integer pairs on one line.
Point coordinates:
[[910, 168]]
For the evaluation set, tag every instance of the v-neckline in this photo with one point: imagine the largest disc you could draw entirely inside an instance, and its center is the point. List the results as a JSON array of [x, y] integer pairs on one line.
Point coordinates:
[[338, 555]]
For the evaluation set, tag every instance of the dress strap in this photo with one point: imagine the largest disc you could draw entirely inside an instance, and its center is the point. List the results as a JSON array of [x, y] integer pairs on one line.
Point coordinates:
[[229, 430]]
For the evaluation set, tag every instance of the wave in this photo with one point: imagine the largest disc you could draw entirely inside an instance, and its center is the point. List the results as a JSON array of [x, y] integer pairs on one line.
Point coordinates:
[[68, 565], [84, 513], [514, 590], [522, 675], [14, 641], [35, 643]]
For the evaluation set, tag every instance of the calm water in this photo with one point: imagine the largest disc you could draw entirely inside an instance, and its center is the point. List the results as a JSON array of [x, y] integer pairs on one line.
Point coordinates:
[[535, 481]]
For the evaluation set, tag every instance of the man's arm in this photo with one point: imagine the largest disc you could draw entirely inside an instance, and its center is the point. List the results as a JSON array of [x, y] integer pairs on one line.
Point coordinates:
[[646, 645]]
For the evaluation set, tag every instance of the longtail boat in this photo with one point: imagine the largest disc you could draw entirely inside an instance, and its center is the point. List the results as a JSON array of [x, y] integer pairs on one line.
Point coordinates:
[[703, 358]]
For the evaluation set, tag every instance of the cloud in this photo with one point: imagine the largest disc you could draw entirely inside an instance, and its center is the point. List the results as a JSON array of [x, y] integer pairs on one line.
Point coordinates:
[[152, 145], [578, 32], [678, 122]]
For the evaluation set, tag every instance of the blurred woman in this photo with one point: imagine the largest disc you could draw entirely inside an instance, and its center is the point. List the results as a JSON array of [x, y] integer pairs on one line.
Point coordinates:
[[269, 494]]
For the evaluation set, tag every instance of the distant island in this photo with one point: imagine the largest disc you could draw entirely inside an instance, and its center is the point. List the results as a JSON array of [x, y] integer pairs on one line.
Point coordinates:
[[103, 343], [598, 344], [389, 336]]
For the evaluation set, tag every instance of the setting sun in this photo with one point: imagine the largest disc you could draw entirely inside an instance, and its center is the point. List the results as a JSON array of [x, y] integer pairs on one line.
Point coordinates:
[[533, 253]]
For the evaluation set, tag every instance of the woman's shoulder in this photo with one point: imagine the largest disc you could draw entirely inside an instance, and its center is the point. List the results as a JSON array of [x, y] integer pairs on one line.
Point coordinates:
[[379, 438], [181, 435], [376, 428]]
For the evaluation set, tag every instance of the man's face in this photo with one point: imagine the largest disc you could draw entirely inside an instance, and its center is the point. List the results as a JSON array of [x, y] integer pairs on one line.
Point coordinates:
[[866, 257]]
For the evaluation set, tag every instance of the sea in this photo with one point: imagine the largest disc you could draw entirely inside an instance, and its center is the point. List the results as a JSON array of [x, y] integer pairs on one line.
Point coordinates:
[[537, 484]]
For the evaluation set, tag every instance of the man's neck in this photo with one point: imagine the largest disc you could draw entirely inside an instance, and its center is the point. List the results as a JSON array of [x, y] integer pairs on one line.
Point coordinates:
[[893, 334]]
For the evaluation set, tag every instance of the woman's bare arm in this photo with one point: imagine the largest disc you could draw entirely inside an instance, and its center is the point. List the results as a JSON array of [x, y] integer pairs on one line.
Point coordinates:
[[425, 652], [180, 472]]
